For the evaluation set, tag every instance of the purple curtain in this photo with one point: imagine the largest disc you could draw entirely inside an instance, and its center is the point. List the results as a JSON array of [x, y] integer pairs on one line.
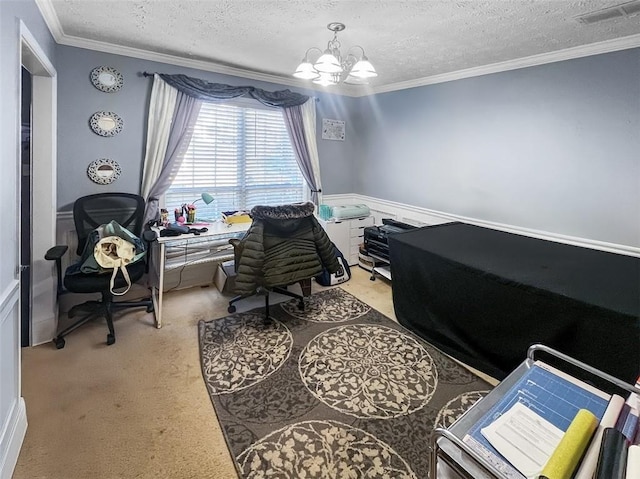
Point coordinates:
[[184, 119], [295, 126]]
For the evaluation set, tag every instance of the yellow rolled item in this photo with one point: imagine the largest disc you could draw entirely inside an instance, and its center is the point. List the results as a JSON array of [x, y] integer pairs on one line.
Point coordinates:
[[565, 458]]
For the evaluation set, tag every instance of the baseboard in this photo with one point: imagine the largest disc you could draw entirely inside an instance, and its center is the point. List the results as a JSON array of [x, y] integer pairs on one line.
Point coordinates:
[[422, 217], [43, 331], [11, 441]]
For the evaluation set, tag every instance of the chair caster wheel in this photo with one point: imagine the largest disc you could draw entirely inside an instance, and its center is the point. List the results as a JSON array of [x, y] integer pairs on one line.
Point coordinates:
[[301, 305], [231, 309], [59, 342], [150, 308], [110, 339], [372, 278]]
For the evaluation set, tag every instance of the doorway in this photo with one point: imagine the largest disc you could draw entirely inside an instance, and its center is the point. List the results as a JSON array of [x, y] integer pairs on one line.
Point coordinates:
[[25, 209], [37, 180]]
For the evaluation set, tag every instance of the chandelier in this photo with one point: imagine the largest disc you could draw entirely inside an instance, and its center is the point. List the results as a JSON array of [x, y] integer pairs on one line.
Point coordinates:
[[331, 68]]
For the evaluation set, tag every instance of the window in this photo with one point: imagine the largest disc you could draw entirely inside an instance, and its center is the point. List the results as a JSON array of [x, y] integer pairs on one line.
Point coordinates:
[[242, 156]]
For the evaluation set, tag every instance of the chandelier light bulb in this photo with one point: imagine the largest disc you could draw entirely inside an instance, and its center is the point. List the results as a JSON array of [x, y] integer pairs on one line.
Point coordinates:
[[363, 69], [328, 63], [306, 71]]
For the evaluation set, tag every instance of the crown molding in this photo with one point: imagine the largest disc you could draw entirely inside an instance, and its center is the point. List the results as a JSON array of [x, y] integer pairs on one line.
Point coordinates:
[[607, 46], [50, 18], [172, 60]]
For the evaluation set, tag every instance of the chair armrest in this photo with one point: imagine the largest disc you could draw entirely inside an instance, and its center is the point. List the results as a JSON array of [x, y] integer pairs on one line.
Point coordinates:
[[238, 246], [149, 236], [56, 252]]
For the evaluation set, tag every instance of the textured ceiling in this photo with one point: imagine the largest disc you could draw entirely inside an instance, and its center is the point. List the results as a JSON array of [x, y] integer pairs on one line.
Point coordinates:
[[407, 41]]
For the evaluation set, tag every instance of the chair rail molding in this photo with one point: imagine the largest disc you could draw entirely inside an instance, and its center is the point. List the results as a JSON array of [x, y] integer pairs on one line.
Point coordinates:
[[419, 216]]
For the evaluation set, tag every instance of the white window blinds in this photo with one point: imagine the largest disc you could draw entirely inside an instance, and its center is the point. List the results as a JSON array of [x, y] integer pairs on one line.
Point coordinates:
[[242, 156]]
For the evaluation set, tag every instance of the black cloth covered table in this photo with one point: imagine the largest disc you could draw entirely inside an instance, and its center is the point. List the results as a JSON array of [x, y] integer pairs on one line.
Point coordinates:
[[484, 296]]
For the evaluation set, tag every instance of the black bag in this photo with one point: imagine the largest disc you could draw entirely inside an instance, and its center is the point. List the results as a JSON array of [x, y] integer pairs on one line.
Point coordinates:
[[343, 274]]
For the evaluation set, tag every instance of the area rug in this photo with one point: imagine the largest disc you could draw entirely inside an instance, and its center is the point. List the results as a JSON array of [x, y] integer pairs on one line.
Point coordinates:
[[335, 391]]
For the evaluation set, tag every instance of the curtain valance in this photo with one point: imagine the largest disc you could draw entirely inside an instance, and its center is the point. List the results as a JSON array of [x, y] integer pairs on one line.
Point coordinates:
[[204, 90]]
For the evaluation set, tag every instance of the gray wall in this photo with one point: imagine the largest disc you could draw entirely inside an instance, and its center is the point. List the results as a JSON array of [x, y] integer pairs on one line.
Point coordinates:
[[554, 148], [78, 145], [11, 12], [12, 419]]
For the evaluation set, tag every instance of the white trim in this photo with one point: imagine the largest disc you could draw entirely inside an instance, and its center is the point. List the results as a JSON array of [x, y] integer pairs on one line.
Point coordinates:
[[422, 216], [616, 44], [50, 18], [175, 60], [14, 435], [8, 299], [43, 178], [607, 46], [28, 40], [65, 216]]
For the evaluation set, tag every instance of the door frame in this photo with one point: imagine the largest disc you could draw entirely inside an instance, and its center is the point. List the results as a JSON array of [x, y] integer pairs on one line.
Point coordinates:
[[44, 314]]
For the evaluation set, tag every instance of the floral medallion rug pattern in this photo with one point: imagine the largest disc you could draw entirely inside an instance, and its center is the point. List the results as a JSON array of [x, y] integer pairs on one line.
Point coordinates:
[[337, 390]]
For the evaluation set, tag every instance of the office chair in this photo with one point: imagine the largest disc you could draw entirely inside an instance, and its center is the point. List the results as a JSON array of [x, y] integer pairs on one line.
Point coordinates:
[[89, 212], [284, 245]]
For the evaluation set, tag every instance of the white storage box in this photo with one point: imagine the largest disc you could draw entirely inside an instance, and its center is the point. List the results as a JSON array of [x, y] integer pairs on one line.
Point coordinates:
[[225, 277]]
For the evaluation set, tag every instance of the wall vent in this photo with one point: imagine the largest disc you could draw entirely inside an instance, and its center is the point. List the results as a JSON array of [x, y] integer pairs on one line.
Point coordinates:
[[619, 11]]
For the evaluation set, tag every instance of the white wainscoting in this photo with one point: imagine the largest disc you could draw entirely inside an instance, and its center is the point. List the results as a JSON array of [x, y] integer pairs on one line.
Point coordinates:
[[13, 417], [422, 217]]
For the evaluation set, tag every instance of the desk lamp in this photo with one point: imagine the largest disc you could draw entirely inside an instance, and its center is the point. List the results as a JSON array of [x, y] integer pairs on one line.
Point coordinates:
[[188, 211], [206, 197]]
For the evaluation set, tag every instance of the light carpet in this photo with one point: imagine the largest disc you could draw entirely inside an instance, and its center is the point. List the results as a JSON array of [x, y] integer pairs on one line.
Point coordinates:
[[337, 390]]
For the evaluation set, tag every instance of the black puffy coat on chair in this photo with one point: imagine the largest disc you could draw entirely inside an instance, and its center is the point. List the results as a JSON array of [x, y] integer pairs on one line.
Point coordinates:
[[284, 245]]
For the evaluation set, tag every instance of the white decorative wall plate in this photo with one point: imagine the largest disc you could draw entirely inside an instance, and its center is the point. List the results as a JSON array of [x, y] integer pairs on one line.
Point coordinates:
[[104, 171], [332, 129], [107, 79], [106, 123]]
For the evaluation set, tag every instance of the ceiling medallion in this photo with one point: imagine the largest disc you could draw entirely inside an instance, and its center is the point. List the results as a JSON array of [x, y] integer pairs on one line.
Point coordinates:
[[104, 171], [106, 123], [331, 68], [107, 79]]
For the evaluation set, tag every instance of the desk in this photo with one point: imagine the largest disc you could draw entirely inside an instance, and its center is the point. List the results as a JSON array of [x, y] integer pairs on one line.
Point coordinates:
[[210, 247]]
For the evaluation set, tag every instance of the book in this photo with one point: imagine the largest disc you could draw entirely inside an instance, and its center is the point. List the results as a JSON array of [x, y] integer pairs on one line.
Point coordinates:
[[622, 417], [587, 467], [612, 461], [630, 426], [552, 394]]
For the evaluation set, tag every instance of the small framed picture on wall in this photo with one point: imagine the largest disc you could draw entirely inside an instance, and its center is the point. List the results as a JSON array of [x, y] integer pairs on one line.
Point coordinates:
[[332, 129]]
